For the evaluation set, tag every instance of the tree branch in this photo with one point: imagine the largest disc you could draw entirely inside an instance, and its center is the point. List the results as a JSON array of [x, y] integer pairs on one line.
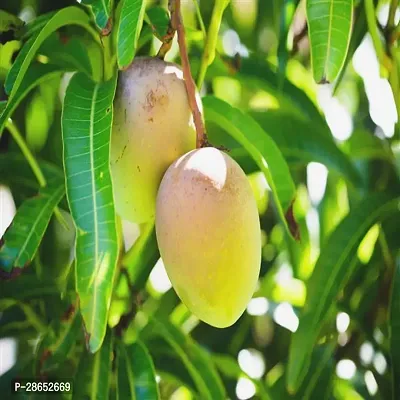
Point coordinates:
[[177, 25]]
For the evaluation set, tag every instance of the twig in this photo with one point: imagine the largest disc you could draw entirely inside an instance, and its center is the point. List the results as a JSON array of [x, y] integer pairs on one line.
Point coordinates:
[[298, 38], [166, 43], [392, 14], [126, 319], [177, 25]]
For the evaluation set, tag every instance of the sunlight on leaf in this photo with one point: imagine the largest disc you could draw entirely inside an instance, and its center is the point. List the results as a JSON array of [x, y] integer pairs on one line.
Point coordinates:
[[86, 123]]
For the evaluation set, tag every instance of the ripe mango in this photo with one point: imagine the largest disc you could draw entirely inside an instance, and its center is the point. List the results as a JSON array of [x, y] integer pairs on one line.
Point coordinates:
[[152, 127], [209, 236]]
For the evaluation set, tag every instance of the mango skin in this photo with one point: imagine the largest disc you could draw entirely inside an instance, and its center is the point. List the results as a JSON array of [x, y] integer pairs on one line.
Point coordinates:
[[209, 236], [152, 127]]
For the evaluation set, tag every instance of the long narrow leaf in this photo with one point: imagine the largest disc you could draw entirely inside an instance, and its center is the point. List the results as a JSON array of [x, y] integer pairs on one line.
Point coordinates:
[[329, 25], [35, 75], [66, 16], [28, 286], [136, 375], [16, 173], [195, 359], [71, 55], [9, 22], [288, 12], [86, 125], [130, 24], [158, 19], [230, 368], [318, 382], [332, 270], [35, 25], [141, 258], [101, 10], [258, 73], [300, 140], [92, 380], [394, 331], [22, 238], [55, 350], [264, 151], [360, 28]]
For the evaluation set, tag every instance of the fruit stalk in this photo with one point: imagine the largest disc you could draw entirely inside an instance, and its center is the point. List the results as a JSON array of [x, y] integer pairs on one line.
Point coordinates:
[[177, 25]]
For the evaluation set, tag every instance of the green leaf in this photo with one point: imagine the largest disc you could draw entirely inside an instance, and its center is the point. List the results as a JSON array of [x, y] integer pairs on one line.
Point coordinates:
[[36, 24], [195, 359], [259, 74], [302, 141], [169, 366], [318, 382], [365, 145], [71, 54], [130, 24], [264, 151], [136, 377], [141, 258], [22, 238], [288, 11], [16, 173], [158, 19], [55, 350], [394, 330], [86, 126], [35, 75], [231, 369], [329, 25], [9, 22], [92, 379], [66, 16], [28, 286], [3, 105], [101, 10], [30, 313], [332, 270], [360, 29]]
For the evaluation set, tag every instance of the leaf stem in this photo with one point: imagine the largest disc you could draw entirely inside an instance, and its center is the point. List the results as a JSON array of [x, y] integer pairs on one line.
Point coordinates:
[[374, 32], [15, 133], [211, 40], [392, 14], [386, 56], [109, 58], [177, 25], [199, 17], [33, 318], [26, 152], [387, 256]]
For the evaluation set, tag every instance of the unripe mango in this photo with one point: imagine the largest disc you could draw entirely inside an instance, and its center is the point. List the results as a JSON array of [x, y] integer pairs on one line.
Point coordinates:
[[153, 126], [209, 236]]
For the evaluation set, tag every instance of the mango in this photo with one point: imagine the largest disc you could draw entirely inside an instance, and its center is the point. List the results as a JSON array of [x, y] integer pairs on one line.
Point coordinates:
[[209, 236], [152, 127]]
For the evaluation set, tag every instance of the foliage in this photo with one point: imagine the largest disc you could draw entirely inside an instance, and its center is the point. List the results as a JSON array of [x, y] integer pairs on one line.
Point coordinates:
[[81, 292]]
